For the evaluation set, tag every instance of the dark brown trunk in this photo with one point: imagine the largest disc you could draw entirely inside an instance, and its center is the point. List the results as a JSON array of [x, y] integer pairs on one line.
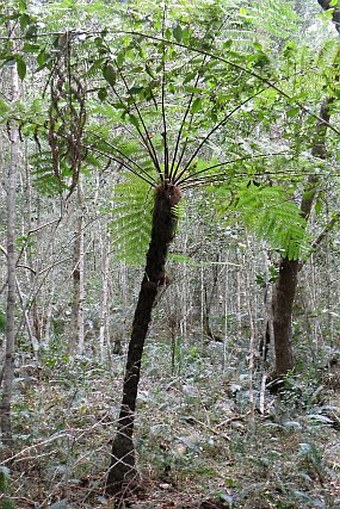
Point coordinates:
[[283, 299], [123, 461], [286, 284]]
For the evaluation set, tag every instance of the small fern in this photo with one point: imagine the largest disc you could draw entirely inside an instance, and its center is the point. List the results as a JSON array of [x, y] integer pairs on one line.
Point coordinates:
[[269, 212], [131, 219]]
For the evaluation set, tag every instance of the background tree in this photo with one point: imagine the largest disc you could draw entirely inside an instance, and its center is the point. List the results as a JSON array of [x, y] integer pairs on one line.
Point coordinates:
[[13, 152], [286, 283]]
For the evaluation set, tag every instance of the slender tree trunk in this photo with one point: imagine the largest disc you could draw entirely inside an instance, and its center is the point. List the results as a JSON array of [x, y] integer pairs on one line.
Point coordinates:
[[286, 284], [33, 339], [183, 298], [33, 318], [104, 330], [208, 302], [49, 309], [77, 336], [250, 310], [226, 314], [81, 316], [123, 461], [8, 372]]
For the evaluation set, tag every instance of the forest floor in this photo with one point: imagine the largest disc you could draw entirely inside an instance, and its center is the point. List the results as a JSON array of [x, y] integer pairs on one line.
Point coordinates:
[[198, 444]]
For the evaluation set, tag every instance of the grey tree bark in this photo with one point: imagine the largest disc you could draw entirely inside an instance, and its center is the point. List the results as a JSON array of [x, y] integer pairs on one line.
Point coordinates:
[[11, 182]]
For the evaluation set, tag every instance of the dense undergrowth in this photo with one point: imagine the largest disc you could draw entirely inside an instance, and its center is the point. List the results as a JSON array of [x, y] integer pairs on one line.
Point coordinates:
[[196, 437]]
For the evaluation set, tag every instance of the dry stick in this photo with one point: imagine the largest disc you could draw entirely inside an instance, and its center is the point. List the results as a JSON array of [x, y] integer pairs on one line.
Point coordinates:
[[213, 430], [58, 436], [232, 419]]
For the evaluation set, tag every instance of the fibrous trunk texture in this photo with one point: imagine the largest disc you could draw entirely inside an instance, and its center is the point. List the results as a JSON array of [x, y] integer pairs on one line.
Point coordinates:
[[123, 461]]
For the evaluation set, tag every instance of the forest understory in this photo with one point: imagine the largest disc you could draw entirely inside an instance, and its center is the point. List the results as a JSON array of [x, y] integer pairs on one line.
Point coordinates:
[[198, 443]]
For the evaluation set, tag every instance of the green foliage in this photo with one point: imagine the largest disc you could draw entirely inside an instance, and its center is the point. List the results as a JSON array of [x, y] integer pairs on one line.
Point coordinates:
[[131, 219], [2, 320], [5, 501], [44, 177], [276, 218], [275, 18]]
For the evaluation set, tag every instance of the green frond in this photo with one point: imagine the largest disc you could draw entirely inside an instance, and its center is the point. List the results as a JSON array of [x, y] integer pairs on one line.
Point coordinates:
[[269, 212], [179, 210], [44, 177], [273, 17], [131, 219]]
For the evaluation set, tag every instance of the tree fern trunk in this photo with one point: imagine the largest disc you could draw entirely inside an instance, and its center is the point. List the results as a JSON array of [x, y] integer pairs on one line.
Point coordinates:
[[123, 461]]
